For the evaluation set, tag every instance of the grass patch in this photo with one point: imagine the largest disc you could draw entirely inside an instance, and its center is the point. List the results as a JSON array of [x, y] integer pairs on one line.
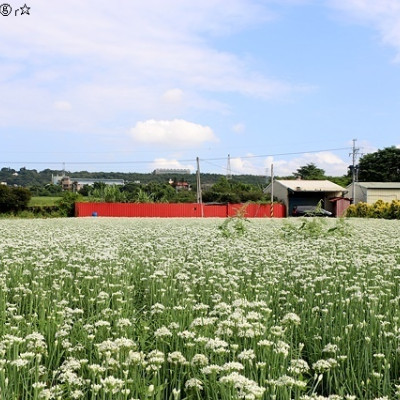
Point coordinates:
[[38, 201]]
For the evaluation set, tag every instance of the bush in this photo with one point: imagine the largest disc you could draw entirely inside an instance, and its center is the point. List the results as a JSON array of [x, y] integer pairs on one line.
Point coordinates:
[[394, 209], [13, 199], [379, 209], [66, 205], [44, 211]]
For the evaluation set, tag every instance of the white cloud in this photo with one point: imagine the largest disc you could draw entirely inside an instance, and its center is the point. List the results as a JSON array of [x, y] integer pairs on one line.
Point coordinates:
[[173, 96], [118, 59], [62, 105], [245, 166], [239, 128], [331, 163], [382, 15], [173, 134], [174, 164]]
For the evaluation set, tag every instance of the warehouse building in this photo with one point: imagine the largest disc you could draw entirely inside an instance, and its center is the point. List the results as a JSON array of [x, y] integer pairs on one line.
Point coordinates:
[[293, 193], [370, 192]]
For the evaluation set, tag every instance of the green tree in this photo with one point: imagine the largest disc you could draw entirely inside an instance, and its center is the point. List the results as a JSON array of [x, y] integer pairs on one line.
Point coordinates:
[[5, 198], [20, 198], [185, 196], [381, 166], [225, 191], [310, 172], [14, 199], [66, 204]]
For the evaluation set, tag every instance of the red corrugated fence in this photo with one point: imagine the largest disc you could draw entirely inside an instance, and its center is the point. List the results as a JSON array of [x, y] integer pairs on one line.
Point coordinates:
[[179, 210]]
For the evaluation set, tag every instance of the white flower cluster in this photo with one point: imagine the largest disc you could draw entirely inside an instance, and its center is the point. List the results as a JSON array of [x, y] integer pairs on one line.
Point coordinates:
[[140, 308]]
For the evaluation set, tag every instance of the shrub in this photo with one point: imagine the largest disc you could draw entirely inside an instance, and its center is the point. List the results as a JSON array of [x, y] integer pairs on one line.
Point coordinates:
[[379, 209], [394, 209], [66, 205], [13, 199]]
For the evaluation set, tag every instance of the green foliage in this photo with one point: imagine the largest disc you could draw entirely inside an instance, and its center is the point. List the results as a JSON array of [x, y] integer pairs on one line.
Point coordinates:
[[28, 178], [160, 192], [107, 193], [236, 225], [39, 201], [315, 228], [143, 197], [309, 227], [5, 199], [342, 228], [13, 199], [85, 190], [184, 196], [381, 166], [317, 210], [379, 209], [310, 172], [163, 309], [46, 190], [43, 211], [342, 181], [66, 204], [224, 191]]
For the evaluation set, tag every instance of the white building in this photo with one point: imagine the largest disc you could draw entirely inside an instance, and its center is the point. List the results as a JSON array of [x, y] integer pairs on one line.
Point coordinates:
[[68, 183], [171, 171], [370, 192]]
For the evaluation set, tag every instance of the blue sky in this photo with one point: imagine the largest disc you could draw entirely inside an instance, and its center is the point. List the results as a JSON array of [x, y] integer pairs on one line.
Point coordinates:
[[136, 85]]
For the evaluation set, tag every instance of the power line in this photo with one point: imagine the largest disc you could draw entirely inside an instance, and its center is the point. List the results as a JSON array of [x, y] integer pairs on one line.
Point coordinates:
[[277, 154], [234, 171], [183, 160]]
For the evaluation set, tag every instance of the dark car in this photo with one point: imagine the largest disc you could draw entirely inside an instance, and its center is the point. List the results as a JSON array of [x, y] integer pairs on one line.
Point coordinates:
[[310, 211]]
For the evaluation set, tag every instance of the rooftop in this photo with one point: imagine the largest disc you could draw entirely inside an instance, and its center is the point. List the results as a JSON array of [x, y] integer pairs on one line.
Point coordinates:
[[311, 186], [379, 185]]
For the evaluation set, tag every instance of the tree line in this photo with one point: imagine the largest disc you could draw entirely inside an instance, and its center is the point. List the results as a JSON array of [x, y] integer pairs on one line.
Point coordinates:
[[382, 166]]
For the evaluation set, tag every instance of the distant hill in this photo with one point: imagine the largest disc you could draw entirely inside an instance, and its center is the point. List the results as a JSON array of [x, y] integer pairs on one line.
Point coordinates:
[[31, 177]]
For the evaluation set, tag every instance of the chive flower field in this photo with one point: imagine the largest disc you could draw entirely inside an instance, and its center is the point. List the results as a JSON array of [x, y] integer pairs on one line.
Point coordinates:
[[124, 309]]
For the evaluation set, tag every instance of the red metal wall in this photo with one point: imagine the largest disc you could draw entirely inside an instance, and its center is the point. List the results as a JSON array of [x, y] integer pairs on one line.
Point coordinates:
[[169, 210], [340, 205]]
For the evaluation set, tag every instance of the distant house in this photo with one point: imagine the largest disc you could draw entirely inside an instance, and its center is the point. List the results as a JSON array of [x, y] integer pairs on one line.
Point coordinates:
[[171, 171], [294, 193], [56, 179], [370, 192], [178, 186], [182, 186], [77, 184]]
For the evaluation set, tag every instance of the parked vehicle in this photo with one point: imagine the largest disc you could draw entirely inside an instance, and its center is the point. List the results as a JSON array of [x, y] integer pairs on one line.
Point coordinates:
[[310, 211]]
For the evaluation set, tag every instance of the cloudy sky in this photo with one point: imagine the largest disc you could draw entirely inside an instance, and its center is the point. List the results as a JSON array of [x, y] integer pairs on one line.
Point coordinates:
[[134, 85]]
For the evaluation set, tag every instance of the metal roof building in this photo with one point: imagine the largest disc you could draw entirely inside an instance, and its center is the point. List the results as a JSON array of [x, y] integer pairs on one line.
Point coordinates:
[[171, 171], [294, 193], [370, 192]]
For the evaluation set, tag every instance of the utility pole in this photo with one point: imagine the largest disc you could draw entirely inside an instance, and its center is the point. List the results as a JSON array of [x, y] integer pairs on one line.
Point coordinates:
[[272, 190], [354, 177], [198, 184], [228, 168]]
